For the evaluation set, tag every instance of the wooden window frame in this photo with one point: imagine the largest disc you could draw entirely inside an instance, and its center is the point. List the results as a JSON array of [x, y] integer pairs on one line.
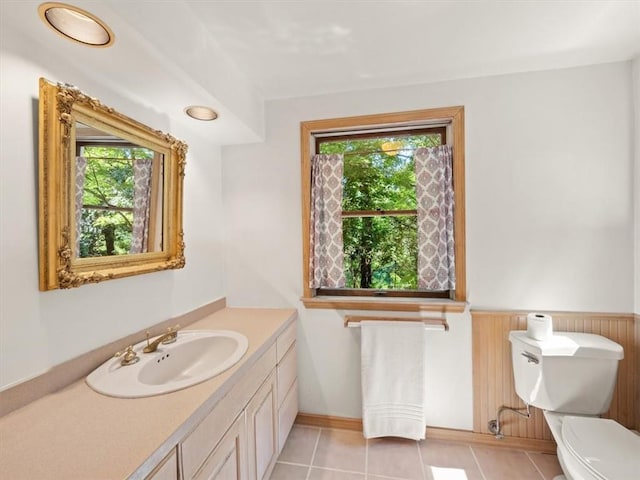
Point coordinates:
[[452, 118]]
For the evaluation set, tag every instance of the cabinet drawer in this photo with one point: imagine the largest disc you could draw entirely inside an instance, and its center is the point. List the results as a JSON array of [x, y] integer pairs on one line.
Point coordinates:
[[201, 441], [285, 340], [287, 415], [287, 373]]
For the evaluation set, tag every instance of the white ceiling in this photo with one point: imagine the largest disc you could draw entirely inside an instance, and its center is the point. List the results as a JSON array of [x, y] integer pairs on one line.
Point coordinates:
[[233, 55], [300, 48]]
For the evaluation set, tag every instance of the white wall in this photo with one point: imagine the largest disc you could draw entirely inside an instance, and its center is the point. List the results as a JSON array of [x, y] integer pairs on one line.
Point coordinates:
[[41, 329], [549, 217]]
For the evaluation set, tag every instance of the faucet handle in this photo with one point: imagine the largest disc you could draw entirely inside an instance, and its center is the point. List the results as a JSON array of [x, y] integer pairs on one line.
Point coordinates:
[[129, 357], [171, 335]]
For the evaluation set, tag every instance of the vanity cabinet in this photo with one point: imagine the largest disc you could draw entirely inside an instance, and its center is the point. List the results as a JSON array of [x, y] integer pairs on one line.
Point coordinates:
[[248, 447], [232, 426]]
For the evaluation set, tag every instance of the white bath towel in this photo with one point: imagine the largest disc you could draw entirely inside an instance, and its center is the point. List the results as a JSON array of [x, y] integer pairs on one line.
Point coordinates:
[[393, 373]]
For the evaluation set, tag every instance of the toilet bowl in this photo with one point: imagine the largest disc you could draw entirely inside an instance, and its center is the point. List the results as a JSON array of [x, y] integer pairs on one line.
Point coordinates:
[[592, 448], [571, 377]]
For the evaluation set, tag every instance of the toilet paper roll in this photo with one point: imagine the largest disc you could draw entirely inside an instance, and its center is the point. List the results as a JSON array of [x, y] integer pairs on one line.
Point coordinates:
[[539, 326]]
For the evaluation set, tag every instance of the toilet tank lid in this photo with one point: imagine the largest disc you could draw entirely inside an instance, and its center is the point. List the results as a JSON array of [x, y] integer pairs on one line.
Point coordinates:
[[570, 344]]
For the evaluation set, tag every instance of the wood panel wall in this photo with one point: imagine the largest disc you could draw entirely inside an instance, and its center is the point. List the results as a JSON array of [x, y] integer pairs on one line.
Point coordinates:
[[493, 374], [637, 344]]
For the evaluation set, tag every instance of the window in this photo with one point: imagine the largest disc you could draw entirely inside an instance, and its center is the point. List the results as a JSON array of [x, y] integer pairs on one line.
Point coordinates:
[[111, 179], [379, 215]]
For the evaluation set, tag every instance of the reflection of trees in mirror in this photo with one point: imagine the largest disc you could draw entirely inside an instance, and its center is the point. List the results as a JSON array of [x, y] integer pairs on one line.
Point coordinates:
[[379, 207], [108, 198]]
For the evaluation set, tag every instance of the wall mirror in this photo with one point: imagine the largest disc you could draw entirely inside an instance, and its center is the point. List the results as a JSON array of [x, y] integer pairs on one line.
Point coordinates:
[[110, 192]]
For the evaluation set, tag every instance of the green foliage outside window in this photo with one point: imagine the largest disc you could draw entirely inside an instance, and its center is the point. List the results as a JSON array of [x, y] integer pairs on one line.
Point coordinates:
[[380, 251], [107, 214]]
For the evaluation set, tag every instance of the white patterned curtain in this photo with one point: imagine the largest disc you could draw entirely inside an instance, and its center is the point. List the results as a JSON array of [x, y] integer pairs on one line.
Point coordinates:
[[142, 169], [326, 255], [435, 204], [81, 169]]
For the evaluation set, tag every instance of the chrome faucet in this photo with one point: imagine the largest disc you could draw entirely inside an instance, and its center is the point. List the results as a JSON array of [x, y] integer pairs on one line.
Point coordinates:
[[169, 337]]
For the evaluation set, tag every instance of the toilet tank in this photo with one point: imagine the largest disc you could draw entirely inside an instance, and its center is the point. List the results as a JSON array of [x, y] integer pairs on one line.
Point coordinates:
[[570, 373]]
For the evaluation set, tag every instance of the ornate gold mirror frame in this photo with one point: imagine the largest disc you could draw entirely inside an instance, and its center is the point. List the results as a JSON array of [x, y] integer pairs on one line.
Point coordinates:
[[62, 108]]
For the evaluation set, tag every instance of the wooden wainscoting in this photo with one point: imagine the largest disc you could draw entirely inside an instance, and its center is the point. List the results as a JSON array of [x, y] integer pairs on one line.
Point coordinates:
[[493, 375], [637, 344]]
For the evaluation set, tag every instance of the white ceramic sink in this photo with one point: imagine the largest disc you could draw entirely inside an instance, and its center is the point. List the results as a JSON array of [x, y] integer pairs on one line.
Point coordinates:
[[196, 356]]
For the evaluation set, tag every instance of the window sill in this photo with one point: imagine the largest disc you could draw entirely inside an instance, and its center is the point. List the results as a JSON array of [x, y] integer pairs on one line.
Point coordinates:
[[384, 304]]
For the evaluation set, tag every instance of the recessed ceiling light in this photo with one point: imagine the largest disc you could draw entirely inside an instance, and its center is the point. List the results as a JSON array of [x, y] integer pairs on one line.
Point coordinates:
[[76, 24], [200, 112]]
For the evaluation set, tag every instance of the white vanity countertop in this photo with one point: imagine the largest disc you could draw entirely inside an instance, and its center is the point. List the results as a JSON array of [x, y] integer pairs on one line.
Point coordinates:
[[76, 433]]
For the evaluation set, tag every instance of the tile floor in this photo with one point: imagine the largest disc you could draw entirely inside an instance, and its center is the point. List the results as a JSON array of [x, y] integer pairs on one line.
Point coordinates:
[[313, 453]]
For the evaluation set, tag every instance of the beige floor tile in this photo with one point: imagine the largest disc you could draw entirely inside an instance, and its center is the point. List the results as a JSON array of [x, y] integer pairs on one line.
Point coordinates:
[[547, 464], [448, 460], [300, 444], [394, 457], [322, 474], [502, 464], [283, 471], [382, 477], [341, 449], [340, 455]]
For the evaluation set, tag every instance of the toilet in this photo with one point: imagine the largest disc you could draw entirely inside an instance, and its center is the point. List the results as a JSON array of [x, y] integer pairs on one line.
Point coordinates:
[[571, 377]]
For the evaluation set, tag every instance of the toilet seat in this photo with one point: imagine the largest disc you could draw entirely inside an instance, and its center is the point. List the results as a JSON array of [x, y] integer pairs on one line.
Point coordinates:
[[604, 447]]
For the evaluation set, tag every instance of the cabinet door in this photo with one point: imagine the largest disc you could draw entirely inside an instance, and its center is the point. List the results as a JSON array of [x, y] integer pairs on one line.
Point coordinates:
[[287, 415], [262, 421], [228, 461]]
